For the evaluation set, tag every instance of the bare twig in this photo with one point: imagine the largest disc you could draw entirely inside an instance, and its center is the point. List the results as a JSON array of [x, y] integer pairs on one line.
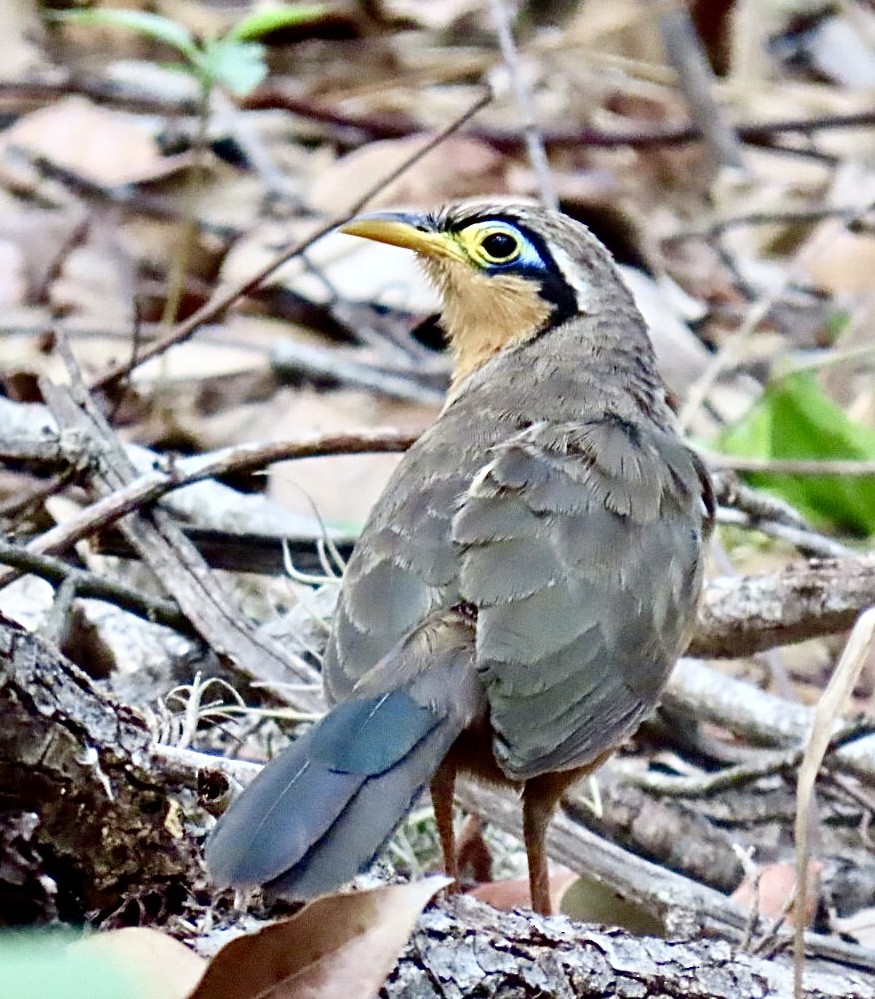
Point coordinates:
[[531, 133], [241, 458], [791, 466], [760, 718], [744, 773], [87, 584], [696, 79], [17, 503], [219, 303], [759, 309], [747, 507], [809, 542], [770, 938], [395, 126], [714, 230], [161, 544], [290, 357], [731, 491], [829, 707]]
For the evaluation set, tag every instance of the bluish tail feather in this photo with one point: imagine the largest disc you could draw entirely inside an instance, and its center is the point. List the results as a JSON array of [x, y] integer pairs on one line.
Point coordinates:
[[321, 810]]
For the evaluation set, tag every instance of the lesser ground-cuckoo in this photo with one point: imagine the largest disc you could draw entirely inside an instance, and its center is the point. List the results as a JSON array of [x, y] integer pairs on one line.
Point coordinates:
[[526, 581]]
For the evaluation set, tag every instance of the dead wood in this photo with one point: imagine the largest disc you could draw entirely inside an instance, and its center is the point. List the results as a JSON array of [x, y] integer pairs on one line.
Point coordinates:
[[464, 948], [745, 614], [94, 821], [738, 615], [161, 545]]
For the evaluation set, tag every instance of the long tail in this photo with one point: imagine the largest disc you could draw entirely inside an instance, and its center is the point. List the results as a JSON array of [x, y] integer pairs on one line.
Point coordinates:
[[321, 811]]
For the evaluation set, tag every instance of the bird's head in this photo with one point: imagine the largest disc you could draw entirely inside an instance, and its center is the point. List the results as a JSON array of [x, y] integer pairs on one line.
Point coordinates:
[[506, 273]]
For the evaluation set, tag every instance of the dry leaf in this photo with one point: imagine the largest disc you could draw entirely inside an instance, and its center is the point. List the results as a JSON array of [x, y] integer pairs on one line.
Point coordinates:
[[846, 264], [339, 945], [105, 147], [515, 894], [460, 167], [776, 886]]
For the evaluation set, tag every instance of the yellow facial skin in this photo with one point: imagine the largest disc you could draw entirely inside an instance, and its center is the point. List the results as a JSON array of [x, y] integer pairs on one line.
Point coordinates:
[[482, 313]]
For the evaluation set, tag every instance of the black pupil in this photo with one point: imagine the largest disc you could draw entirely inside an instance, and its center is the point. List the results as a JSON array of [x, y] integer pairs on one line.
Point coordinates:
[[499, 245]]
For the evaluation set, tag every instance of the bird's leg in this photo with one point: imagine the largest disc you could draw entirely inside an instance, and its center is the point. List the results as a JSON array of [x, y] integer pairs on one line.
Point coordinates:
[[540, 797], [443, 787], [539, 801]]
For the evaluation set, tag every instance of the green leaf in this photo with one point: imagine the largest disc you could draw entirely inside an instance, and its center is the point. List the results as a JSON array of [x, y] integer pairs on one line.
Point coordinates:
[[262, 22], [162, 29], [239, 66], [41, 964], [794, 419]]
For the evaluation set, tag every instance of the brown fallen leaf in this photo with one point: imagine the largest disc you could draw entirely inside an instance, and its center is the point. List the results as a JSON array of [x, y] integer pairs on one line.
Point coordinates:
[[473, 857], [100, 145], [776, 884], [338, 945], [165, 968], [515, 894], [459, 167]]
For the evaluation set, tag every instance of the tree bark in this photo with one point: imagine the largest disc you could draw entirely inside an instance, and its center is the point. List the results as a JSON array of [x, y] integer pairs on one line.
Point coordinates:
[[463, 948], [85, 819]]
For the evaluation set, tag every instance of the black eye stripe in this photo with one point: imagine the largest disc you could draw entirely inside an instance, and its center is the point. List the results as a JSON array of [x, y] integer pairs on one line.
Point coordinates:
[[552, 284], [525, 232]]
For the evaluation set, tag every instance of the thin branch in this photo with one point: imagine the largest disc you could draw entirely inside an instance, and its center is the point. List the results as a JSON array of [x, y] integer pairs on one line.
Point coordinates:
[[797, 216], [87, 584], [769, 763], [290, 357], [269, 96], [241, 458], [161, 544], [531, 133], [696, 78], [727, 356], [696, 690], [790, 466], [219, 303], [810, 543]]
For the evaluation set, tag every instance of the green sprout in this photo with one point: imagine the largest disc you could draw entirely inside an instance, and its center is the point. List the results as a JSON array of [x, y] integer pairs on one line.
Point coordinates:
[[235, 61]]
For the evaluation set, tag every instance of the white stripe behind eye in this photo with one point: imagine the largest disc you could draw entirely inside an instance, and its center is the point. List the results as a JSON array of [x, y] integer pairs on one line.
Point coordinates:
[[571, 272]]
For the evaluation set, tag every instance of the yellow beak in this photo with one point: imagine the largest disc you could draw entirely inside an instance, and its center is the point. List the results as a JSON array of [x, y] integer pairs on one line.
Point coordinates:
[[411, 231]]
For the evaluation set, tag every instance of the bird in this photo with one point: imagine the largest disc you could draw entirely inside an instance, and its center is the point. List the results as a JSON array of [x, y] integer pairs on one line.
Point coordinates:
[[522, 588]]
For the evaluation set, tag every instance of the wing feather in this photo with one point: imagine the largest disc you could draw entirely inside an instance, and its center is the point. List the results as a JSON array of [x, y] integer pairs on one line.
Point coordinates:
[[571, 667]]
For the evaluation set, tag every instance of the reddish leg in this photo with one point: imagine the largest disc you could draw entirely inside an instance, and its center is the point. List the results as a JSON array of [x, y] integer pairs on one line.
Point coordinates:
[[539, 801], [540, 797], [443, 786]]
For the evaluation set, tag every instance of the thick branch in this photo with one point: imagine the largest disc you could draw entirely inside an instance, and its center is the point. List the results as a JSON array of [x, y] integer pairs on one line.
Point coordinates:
[[464, 948], [746, 614]]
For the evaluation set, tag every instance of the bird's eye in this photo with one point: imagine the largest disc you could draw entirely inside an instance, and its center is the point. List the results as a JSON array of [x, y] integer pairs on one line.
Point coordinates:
[[500, 247]]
